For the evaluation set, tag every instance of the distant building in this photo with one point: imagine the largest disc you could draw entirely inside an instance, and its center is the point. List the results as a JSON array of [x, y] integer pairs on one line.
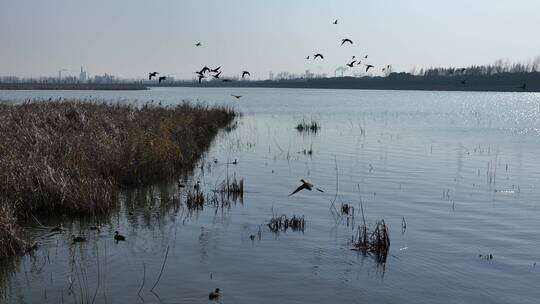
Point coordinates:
[[83, 76], [271, 75]]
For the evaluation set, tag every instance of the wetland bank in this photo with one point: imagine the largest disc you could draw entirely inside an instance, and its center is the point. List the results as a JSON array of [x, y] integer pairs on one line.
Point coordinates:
[[454, 175]]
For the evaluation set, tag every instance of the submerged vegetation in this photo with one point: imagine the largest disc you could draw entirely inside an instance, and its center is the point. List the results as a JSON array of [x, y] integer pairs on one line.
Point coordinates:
[[308, 126], [375, 242], [72, 157], [283, 223]]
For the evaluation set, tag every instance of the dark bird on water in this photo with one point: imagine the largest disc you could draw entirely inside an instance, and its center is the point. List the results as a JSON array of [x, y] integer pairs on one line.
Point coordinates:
[[305, 185], [335, 22], [216, 69], [351, 64], [318, 55], [346, 40], [198, 44], [78, 239], [216, 75], [236, 96], [118, 236], [368, 67], [214, 295], [160, 79], [523, 87], [244, 73], [152, 74]]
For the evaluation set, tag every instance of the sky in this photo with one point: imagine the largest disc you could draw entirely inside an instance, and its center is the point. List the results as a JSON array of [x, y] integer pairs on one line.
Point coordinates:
[[131, 38]]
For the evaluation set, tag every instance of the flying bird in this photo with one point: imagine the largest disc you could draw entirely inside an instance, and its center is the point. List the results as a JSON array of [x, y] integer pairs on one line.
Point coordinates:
[[201, 76], [152, 74], [318, 55], [351, 64], [305, 185], [236, 96], [365, 57], [368, 67], [307, 57], [205, 69], [335, 22], [244, 73], [216, 69], [198, 44], [346, 40], [353, 57], [216, 75], [160, 79]]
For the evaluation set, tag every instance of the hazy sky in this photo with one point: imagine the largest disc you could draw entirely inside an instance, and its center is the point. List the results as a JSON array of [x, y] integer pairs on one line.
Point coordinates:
[[130, 38]]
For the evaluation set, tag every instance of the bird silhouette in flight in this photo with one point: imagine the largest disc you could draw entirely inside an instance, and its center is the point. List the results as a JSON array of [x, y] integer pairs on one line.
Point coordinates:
[[152, 74], [307, 57], [244, 73], [523, 87], [351, 64], [365, 57], [201, 76], [353, 57], [463, 81], [205, 69], [198, 44], [160, 79], [318, 55], [236, 96], [346, 40], [216, 75], [335, 22], [215, 70], [369, 66], [199, 73], [305, 185]]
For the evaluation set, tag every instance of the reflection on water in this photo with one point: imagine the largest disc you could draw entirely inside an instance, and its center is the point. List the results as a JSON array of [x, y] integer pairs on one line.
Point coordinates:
[[454, 175]]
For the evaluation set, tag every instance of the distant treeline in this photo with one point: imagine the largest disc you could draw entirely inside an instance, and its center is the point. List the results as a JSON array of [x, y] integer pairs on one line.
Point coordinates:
[[467, 80]]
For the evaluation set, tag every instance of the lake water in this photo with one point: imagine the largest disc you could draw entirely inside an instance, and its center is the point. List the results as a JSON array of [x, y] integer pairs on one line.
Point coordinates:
[[462, 169]]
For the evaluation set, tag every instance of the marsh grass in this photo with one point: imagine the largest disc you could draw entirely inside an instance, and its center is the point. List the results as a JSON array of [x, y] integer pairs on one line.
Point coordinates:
[[73, 157], [308, 126], [283, 223], [375, 242]]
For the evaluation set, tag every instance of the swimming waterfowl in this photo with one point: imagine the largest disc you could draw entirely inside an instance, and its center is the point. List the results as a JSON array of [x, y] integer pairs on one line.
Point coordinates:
[[118, 236], [214, 294], [78, 239], [305, 185]]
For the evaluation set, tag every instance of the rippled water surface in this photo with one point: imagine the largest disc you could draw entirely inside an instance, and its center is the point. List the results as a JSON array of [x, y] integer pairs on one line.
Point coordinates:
[[462, 170]]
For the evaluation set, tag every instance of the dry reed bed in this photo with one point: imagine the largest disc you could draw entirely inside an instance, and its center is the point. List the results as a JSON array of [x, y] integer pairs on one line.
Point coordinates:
[[68, 156]]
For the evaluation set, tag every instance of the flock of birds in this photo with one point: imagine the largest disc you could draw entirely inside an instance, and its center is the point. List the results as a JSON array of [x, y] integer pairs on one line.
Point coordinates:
[[206, 72], [356, 61]]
